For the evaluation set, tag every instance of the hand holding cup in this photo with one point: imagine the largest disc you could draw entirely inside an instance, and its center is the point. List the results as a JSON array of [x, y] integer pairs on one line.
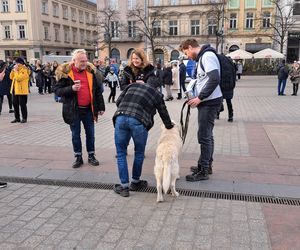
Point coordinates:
[[76, 85]]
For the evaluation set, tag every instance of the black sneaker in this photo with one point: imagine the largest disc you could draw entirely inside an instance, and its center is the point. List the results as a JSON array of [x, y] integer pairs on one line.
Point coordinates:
[[195, 169], [11, 111], [16, 120], [123, 191], [199, 176], [78, 162], [24, 121], [138, 186], [3, 184], [230, 119], [92, 160]]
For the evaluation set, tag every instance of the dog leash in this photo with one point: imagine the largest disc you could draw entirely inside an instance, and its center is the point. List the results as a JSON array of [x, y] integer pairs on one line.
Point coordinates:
[[184, 125]]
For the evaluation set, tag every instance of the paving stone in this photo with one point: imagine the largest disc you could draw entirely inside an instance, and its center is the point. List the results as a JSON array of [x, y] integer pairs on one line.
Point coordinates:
[[3, 235], [91, 240], [182, 245], [204, 229], [33, 201], [29, 215], [13, 226], [32, 241], [67, 244], [112, 236], [20, 236], [19, 210], [77, 233], [5, 210], [7, 246], [202, 242], [4, 220], [154, 225], [125, 244], [46, 229], [184, 235], [68, 225], [48, 212], [55, 237], [45, 247], [105, 246]]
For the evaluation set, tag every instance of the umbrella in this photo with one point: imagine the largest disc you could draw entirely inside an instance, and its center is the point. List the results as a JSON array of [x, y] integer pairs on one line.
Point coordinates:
[[268, 53], [240, 54]]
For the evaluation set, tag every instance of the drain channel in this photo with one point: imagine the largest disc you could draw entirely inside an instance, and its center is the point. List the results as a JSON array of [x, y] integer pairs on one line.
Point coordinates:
[[184, 192]]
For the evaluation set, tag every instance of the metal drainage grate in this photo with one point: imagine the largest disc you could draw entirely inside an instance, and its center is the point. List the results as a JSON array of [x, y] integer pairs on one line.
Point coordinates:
[[184, 192]]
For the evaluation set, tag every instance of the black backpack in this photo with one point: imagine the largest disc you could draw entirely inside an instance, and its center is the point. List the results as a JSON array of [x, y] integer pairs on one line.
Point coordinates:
[[228, 71]]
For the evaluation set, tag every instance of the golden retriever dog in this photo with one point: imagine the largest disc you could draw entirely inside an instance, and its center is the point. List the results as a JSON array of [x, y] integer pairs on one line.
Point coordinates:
[[166, 167]]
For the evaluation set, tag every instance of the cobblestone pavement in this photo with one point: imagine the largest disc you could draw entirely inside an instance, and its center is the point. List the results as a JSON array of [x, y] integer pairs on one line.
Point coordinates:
[[257, 154], [50, 217]]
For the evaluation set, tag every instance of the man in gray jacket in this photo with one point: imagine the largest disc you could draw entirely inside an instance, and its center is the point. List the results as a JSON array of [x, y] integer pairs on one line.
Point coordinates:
[[208, 98]]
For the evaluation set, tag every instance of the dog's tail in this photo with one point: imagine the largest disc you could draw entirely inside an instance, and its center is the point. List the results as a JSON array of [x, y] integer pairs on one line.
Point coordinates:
[[166, 176]]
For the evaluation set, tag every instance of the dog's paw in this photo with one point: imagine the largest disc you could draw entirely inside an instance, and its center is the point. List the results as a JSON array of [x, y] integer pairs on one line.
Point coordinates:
[[159, 199], [175, 194]]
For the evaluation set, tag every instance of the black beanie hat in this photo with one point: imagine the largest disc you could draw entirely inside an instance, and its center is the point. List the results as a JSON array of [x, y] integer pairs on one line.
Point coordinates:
[[20, 60]]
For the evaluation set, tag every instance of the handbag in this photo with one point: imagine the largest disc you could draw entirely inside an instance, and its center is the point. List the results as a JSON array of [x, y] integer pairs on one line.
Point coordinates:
[[292, 78]]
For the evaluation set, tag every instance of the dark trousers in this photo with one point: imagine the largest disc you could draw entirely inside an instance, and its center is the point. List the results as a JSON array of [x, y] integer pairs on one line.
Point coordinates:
[[112, 94], [182, 87], [281, 86], [40, 90], [47, 87], [86, 117], [9, 98], [206, 121], [295, 88], [20, 101]]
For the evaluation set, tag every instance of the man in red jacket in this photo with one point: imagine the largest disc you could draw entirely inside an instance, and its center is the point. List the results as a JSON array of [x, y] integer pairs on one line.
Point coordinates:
[[82, 102]]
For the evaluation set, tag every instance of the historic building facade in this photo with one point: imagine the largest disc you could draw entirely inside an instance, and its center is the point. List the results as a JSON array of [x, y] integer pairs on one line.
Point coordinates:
[[32, 29], [293, 42], [118, 32]]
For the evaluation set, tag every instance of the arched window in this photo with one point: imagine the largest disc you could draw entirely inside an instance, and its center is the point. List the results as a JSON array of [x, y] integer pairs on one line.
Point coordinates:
[[115, 54], [233, 48], [159, 56], [174, 55], [129, 52]]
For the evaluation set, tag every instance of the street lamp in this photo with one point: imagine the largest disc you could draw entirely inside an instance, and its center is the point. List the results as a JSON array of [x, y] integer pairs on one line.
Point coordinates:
[[222, 29]]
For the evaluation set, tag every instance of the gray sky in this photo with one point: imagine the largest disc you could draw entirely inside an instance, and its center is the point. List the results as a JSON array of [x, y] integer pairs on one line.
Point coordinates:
[[94, 1]]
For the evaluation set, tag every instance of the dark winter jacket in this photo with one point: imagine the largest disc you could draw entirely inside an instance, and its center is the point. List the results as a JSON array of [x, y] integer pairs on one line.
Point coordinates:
[[39, 78], [167, 76], [182, 73], [283, 72], [141, 102], [130, 77], [63, 88], [5, 84]]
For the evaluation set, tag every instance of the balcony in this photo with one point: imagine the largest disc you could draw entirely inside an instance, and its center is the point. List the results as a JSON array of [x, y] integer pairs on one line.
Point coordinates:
[[123, 38]]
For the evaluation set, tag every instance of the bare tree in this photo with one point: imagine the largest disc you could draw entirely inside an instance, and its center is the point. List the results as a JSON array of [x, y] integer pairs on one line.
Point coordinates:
[[216, 13], [108, 15], [149, 30], [282, 22]]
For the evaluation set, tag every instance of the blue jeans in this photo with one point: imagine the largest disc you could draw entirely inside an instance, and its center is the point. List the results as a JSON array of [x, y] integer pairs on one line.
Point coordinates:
[[127, 127], [206, 120], [86, 117], [281, 86]]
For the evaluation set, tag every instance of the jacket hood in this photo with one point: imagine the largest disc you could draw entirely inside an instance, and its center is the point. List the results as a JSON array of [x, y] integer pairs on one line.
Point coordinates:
[[64, 69]]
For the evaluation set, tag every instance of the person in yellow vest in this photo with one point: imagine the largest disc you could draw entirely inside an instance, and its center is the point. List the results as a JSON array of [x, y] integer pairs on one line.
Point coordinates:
[[19, 89]]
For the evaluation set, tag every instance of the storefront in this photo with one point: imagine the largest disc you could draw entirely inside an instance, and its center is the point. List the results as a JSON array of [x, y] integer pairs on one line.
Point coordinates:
[[293, 46]]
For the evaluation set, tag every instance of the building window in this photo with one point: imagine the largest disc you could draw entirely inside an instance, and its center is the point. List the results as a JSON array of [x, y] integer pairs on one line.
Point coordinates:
[[44, 7], [249, 20], [174, 2], [46, 32], [131, 29], [114, 27], [233, 21], [195, 27], [65, 12], [87, 17], [195, 2], [157, 28], [93, 19], [20, 6], [55, 9], [73, 14], [267, 3], [173, 28], [57, 33], [67, 34], [296, 10], [113, 4], [88, 37], [74, 34], [250, 4], [5, 7], [266, 19], [21, 31], [212, 26], [157, 3], [234, 4], [7, 32], [82, 36], [131, 4], [80, 16], [174, 55]]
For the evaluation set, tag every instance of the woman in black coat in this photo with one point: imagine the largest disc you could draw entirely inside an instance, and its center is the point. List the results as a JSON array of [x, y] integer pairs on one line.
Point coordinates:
[[5, 85], [138, 69], [39, 76], [168, 81]]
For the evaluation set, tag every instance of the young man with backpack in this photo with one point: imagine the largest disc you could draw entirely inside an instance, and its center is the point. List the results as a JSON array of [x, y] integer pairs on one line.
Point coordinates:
[[208, 98]]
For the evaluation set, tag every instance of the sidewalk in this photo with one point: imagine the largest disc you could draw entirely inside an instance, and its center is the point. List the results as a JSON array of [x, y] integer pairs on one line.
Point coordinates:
[[256, 154]]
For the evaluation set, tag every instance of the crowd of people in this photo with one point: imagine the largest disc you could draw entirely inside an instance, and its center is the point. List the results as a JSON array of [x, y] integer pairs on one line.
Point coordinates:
[[79, 86]]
